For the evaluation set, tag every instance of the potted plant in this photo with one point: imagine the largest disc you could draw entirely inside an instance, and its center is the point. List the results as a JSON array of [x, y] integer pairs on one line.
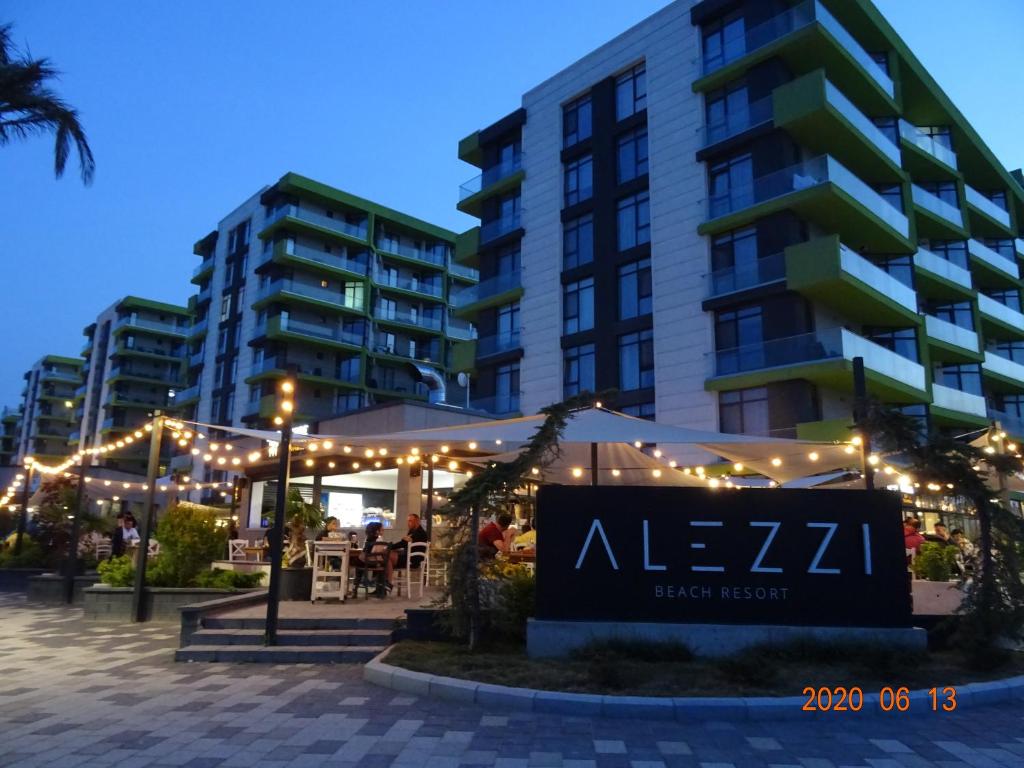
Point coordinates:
[[296, 575]]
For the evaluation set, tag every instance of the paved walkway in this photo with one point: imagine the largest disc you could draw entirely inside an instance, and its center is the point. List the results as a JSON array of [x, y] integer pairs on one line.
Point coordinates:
[[79, 694]]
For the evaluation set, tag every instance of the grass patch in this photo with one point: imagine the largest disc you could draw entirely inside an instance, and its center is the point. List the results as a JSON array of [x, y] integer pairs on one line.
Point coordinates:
[[670, 669]]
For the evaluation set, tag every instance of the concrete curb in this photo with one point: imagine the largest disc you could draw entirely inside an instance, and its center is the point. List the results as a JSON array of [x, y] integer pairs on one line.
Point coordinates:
[[684, 709]]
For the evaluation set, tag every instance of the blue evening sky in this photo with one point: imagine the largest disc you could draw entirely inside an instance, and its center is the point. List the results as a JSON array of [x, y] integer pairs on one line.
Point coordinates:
[[191, 106]]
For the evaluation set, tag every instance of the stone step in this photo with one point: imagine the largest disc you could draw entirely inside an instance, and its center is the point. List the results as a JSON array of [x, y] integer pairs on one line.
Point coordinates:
[[279, 654], [227, 622], [322, 637]]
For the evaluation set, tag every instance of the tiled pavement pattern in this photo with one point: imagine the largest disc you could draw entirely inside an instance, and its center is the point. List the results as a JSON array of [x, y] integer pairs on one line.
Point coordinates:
[[75, 694]]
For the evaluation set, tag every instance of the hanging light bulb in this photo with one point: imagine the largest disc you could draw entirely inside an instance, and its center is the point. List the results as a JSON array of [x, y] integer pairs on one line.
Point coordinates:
[[577, 472]]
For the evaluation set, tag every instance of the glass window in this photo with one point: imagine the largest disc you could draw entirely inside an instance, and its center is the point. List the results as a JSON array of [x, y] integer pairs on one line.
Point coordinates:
[[959, 313], [1002, 246], [643, 410], [1009, 297], [631, 92], [1011, 350], [255, 393], [892, 194], [636, 360], [225, 306], [940, 134], [215, 408], [890, 126], [632, 155], [506, 388], [579, 370], [578, 242], [739, 337], [635, 289], [966, 378], [902, 341], [634, 220], [953, 251], [507, 262], [579, 180], [900, 267], [508, 323], [222, 341], [736, 263], [731, 185], [724, 41], [881, 58], [944, 190], [576, 121], [998, 197], [229, 407], [744, 411], [578, 306], [727, 112], [348, 401]]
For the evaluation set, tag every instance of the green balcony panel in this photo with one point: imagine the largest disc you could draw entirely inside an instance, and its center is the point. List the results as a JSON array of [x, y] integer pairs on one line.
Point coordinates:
[[990, 268], [924, 157], [496, 180], [987, 218], [823, 191], [828, 272], [467, 248], [337, 299], [203, 271], [1002, 374], [999, 321], [464, 356], [824, 357], [806, 37], [826, 431], [937, 218], [820, 117], [951, 343], [938, 278], [299, 218], [332, 335], [470, 150], [492, 292], [951, 407], [289, 252]]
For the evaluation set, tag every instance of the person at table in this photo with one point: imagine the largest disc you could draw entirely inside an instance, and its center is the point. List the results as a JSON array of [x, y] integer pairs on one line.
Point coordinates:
[[966, 558], [129, 534], [117, 537], [399, 554], [366, 558], [491, 539], [526, 541], [939, 535], [232, 530], [912, 540], [331, 533]]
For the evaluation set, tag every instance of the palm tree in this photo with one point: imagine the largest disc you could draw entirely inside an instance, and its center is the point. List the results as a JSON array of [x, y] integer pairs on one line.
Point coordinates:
[[28, 107]]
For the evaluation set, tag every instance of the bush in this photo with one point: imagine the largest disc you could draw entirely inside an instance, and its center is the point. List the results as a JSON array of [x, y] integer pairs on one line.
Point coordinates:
[[514, 598], [935, 562], [31, 555], [190, 540], [117, 571], [218, 578]]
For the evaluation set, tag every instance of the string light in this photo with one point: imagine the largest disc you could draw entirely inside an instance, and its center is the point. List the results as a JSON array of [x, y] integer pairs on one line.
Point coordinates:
[[616, 473], [738, 467], [472, 446], [577, 472], [813, 456], [776, 462], [873, 459]]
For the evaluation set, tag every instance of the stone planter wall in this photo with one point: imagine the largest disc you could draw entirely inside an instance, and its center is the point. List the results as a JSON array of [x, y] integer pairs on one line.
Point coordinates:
[[16, 579], [103, 603], [49, 588]]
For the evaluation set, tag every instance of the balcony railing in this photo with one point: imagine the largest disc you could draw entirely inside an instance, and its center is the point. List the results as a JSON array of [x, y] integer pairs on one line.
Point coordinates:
[[803, 176], [73, 378], [499, 405], [197, 358], [740, 118], [128, 321], [204, 295], [826, 344], [206, 265], [1003, 366], [436, 256], [748, 275], [996, 309], [459, 329], [956, 400], [798, 17], [986, 206], [938, 206], [492, 286], [407, 317], [199, 328], [176, 353], [81, 391], [461, 271], [494, 229], [358, 265], [875, 277], [186, 395], [392, 279], [926, 260], [993, 258], [358, 231], [1010, 422], [497, 343], [950, 333], [140, 373], [862, 123], [329, 332], [402, 347], [491, 175], [336, 296], [941, 153]]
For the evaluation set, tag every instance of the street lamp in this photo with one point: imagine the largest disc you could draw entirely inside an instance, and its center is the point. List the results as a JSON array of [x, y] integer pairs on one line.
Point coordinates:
[[283, 419], [25, 491]]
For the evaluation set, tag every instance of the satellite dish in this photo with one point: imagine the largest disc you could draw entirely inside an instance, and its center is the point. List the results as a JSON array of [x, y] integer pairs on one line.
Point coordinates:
[[463, 379]]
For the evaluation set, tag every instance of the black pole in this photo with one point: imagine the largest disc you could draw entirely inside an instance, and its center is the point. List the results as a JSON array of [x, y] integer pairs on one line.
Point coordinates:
[[430, 498], [138, 591], [72, 567], [23, 518], [593, 464], [234, 498], [860, 414], [474, 577], [284, 466]]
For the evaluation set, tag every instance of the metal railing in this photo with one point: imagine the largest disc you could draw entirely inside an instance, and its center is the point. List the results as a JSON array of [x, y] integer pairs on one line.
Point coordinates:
[[338, 296], [407, 317], [489, 176], [494, 229], [358, 231], [741, 276], [492, 286]]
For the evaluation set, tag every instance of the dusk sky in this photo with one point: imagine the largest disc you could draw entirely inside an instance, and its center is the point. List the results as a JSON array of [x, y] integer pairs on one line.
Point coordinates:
[[191, 106]]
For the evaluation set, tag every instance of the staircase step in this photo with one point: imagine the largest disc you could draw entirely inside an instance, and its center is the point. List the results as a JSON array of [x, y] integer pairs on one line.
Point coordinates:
[[226, 622], [289, 637], [279, 654]]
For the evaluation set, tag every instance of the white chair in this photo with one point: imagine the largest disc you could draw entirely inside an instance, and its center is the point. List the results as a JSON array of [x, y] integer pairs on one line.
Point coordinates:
[[417, 561], [103, 549], [236, 549], [153, 549]]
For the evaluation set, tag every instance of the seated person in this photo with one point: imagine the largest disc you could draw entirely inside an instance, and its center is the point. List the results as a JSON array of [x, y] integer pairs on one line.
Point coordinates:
[[526, 541], [397, 558], [331, 533], [367, 558], [491, 539], [129, 535]]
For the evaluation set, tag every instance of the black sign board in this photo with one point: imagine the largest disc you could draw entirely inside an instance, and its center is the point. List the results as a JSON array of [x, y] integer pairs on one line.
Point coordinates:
[[751, 556]]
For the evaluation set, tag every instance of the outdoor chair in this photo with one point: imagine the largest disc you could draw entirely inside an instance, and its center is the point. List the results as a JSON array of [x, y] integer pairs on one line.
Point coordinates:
[[417, 561], [103, 549], [153, 549], [370, 575], [236, 549]]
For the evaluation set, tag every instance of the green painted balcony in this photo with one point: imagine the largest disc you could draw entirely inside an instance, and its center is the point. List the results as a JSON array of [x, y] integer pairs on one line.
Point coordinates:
[[492, 230], [187, 396], [205, 294], [831, 274], [459, 330], [153, 351], [820, 117], [925, 157], [408, 317], [395, 280], [130, 372], [297, 217], [286, 290], [990, 268], [492, 181], [460, 272], [342, 264], [955, 406], [199, 328], [131, 322], [937, 218], [805, 37], [824, 357], [940, 278], [999, 321], [434, 256], [1001, 373], [333, 335], [491, 292], [467, 248], [68, 377], [951, 343], [986, 215], [204, 270], [821, 190]]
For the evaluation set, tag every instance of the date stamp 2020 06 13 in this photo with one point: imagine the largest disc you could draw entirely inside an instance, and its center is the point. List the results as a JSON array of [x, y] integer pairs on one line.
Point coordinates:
[[842, 699]]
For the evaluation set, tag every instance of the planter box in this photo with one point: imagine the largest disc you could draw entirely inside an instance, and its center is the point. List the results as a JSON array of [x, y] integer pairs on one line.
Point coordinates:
[[936, 598], [16, 579], [49, 588], [103, 603], [296, 583]]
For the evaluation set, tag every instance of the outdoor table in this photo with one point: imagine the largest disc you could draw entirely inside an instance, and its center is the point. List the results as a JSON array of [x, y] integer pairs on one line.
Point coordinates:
[[522, 556], [258, 551], [323, 552]]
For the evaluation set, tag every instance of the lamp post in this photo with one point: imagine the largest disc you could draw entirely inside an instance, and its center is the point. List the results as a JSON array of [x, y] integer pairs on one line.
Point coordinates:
[[72, 565], [860, 413], [283, 420], [138, 592], [25, 492]]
